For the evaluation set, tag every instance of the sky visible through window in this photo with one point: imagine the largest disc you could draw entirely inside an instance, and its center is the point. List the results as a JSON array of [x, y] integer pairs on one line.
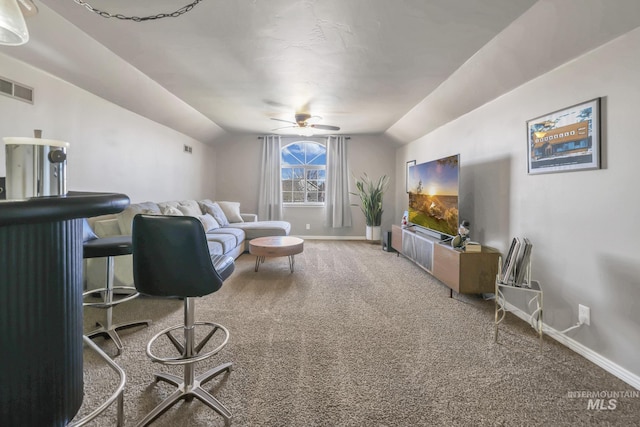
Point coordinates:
[[303, 172]]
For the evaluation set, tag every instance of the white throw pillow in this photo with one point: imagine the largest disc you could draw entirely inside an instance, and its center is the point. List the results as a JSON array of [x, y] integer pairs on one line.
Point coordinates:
[[216, 212], [170, 210], [190, 208], [107, 228], [231, 211], [208, 222], [125, 218]]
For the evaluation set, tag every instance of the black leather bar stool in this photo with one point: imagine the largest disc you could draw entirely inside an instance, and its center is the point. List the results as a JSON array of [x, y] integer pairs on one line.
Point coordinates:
[[171, 259], [109, 247]]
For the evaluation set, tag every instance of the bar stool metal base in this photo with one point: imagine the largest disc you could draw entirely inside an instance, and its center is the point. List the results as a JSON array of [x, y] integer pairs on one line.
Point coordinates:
[[109, 248], [189, 386], [108, 330], [186, 392]]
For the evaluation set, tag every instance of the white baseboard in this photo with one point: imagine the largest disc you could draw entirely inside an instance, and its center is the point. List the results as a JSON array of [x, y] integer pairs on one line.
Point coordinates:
[[606, 364]]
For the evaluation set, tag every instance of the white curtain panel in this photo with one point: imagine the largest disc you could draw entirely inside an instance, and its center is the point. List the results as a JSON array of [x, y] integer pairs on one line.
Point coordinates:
[[270, 196], [337, 204]]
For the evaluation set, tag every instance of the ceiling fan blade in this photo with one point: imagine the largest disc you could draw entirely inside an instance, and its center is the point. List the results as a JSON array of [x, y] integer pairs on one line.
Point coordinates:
[[324, 127], [286, 121], [286, 127]]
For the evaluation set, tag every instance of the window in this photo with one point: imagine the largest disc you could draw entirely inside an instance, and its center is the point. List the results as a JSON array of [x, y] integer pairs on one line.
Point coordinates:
[[304, 173]]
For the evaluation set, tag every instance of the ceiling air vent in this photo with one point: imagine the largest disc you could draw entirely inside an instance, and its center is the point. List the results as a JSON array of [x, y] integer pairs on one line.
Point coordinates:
[[16, 90]]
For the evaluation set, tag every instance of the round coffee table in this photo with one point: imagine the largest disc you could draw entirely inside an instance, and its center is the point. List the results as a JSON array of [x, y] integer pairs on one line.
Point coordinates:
[[275, 246]]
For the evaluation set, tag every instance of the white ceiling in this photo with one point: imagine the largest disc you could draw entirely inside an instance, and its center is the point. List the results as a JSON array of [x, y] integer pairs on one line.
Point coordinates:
[[368, 66]]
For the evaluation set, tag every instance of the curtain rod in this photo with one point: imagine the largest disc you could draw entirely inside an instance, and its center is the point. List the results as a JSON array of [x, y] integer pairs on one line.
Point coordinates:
[[300, 136]]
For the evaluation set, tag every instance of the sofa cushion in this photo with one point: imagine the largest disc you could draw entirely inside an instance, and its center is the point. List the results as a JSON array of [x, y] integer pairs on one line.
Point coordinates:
[[247, 217], [171, 211], [228, 241], [208, 222], [215, 248], [107, 227], [92, 220], [187, 207], [238, 233], [188, 210], [216, 211], [125, 218], [231, 211], [164, 205], [263, 228]]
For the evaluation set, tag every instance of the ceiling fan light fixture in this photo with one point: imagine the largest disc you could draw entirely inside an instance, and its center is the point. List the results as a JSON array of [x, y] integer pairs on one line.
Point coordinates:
[[303, 127], [13, 28]]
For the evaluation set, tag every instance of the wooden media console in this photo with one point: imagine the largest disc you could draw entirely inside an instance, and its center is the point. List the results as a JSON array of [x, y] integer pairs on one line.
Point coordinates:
[[463, 272]]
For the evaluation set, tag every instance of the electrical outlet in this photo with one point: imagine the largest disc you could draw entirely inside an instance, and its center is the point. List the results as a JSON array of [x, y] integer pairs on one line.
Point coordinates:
[[584, 315], [308, 226]]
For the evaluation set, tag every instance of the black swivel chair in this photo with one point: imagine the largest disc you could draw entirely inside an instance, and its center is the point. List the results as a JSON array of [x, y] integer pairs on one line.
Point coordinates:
[[109, 247], [171, 259]]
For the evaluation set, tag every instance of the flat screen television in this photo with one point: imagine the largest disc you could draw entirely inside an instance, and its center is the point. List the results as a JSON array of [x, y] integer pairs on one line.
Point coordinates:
[[433, 196]]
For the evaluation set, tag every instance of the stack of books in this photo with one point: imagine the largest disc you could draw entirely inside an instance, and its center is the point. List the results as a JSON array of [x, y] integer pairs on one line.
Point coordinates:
[[472, 247], [516, 263]]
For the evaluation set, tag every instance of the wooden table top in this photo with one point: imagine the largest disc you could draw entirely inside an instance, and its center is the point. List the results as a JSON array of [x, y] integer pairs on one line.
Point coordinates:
[[275, 246]]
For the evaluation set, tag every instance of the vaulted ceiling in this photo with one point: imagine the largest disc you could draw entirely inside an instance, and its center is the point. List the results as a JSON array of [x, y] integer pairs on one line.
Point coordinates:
[[367, 66]]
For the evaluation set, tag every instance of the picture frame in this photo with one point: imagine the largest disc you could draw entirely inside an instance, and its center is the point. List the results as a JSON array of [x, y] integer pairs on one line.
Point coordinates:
[[406, 177], [565, 140]]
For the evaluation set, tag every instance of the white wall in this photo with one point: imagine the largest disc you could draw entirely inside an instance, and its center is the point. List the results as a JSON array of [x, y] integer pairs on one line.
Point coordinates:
[[582, 224], [111, 149], [115, 150], [238, 177]]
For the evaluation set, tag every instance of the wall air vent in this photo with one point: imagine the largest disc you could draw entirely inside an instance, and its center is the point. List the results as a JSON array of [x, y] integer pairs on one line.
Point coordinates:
[[16, 90]]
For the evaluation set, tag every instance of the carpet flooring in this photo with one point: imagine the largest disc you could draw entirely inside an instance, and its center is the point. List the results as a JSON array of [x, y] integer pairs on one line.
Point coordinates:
[[357, 337]]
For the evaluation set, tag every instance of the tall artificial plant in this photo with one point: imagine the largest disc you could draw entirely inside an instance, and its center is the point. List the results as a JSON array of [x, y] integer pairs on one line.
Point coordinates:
[[371, 193]]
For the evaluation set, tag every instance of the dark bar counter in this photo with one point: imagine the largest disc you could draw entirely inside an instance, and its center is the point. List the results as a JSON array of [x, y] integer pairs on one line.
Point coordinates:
[[41, 380]]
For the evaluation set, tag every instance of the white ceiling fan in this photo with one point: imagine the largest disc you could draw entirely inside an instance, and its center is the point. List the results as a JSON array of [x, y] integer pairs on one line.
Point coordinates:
[[303, 121]]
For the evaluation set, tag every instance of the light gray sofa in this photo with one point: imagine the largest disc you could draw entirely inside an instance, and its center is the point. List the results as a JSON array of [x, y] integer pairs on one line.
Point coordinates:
[[227, 232]]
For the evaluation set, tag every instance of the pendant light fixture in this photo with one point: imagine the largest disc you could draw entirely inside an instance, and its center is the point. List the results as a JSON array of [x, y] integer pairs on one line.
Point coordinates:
[[105, 14], [13, 28]]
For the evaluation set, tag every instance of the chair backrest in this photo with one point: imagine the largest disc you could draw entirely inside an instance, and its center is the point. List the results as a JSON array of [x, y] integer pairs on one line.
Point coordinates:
[[171, 257]]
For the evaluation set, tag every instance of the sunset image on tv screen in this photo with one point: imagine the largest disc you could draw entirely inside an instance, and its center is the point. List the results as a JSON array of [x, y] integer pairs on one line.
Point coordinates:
[[433, 195]]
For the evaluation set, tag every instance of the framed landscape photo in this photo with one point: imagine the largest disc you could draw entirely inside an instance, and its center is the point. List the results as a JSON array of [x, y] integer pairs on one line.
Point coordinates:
[[406, 177], [565, 140]]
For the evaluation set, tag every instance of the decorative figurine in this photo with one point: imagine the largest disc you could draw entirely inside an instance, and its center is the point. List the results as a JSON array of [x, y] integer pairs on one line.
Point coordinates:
[[460, 240]]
